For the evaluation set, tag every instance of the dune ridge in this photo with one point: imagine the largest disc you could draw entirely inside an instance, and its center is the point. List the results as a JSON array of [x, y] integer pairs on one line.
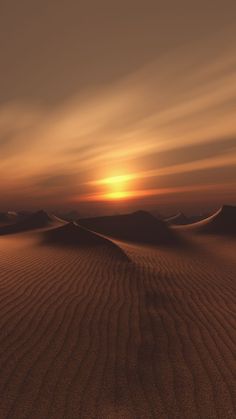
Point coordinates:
[[181, 219], [222, 222], [177, 219], [72, 234]]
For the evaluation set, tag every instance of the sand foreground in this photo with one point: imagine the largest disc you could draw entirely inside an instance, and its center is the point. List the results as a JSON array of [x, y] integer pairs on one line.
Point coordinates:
[[85, 334]]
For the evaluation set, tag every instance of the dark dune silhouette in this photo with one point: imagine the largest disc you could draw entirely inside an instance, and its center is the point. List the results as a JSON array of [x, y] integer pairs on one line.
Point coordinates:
[[71, 234], [177, 219], [68, 215], [139, 226], [9, 217], [221, 222], [181, 219], [33, 221], [4, 218]]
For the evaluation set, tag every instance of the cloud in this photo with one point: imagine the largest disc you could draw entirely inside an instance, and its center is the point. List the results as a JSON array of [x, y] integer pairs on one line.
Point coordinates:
[[171, 117]]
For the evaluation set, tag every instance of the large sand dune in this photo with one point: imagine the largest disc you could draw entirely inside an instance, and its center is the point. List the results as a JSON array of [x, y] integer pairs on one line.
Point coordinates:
[[8, 218], [71, 234], [177, 219], [4, 217], [182, 219], [222, 222], [84, 334], [139, 226], [39, 219]]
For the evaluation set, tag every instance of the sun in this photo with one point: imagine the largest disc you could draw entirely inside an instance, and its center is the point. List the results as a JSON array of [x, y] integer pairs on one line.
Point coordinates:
[[114, 187], [116, 195]]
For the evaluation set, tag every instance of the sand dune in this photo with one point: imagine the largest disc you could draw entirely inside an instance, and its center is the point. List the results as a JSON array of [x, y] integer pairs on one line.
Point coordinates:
[[222, 222], [71, 234], [33, 221], [83, 334], [3, 217], [8, 218], [177, 219], [182, 219], [139, 226]]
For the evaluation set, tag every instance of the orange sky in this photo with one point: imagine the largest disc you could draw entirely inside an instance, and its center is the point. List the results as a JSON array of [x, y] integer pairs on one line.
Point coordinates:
[[117, 105]]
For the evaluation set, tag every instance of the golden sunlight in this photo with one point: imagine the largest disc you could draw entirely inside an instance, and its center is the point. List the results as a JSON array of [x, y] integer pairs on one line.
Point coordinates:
[[115, 186], [117, 195], [113, 180]]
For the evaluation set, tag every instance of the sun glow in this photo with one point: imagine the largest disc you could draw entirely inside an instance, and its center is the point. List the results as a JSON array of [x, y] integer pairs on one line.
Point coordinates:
[[113, 187], [117, 195], [113, 180]]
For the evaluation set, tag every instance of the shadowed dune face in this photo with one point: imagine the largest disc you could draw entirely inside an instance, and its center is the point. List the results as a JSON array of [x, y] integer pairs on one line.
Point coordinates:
[[223, 222], [74, 235], [139, 226], [178, 219], [9, 218], [33, 221], [3, 216], [182, 219]]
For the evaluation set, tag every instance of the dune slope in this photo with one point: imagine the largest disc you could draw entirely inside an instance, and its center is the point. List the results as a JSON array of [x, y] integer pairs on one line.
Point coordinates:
[[177, 219], [71, 234], [33, 221], [223, 222]]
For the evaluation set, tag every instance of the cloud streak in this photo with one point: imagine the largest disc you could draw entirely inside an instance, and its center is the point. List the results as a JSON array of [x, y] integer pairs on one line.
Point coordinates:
[[173, 116]]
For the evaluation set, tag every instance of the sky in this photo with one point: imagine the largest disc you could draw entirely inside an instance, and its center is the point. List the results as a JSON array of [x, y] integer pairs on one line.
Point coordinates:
[[108, 106]]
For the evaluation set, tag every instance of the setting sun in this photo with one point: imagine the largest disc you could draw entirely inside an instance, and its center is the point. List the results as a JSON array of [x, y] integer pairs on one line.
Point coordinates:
[[113, 187], [116, 195]]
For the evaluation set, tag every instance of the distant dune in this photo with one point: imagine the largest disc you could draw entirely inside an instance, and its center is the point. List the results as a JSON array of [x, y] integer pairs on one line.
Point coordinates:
[[8, 217], [4, 218], [139, 227], [222, 222], [182, 219], [72, 234], [33, 221], [177, 219]]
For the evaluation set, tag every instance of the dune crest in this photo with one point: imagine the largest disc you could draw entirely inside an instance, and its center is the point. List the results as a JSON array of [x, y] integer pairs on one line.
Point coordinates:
[[139, 226], [177, 219], [71, 234], [222, 222]]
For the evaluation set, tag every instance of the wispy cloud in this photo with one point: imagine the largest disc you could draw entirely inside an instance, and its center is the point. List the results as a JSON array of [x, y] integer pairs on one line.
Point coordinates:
[[180, 110]]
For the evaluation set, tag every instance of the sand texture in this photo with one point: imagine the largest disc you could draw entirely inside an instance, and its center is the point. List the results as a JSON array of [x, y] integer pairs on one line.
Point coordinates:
[[92, 328]]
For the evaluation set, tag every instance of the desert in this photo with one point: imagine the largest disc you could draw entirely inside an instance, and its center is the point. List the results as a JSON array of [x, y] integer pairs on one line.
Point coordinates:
[[93, 326], [117, 209]]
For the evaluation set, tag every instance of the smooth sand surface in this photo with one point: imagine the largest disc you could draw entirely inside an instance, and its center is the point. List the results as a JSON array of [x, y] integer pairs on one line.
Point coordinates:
[[87, 334]]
